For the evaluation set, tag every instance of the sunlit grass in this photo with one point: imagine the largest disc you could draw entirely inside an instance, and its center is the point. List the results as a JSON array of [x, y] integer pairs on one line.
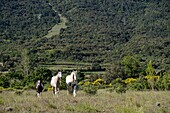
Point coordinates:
[[56, 29], [130, 102]]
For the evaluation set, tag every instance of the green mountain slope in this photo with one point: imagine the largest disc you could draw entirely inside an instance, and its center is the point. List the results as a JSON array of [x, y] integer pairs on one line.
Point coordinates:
[[97, 30], [25, 19]]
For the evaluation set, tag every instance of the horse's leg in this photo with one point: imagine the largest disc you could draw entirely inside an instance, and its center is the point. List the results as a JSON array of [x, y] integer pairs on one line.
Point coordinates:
[[57, 87], [53, 90], [67, 89], [58, 90], [38, 94], [74, 90]]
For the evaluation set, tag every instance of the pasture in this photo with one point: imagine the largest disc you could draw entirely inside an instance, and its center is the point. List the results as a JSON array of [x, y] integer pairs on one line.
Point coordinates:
[[102, 102]]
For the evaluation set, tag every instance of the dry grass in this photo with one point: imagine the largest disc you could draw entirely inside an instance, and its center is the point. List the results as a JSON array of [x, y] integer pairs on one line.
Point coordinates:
[[104, 102]]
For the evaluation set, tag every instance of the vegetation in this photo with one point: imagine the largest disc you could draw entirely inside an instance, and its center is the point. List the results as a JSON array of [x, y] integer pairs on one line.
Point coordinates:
[[121, 45], [97, 31], [129, 102]]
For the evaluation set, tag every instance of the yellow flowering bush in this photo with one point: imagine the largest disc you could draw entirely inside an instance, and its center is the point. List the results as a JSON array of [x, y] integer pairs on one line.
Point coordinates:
[[98, 82], [86, 83], [50, 89], [152, 80], [110, 85], [152, 77], [81, 83], [130, 80]]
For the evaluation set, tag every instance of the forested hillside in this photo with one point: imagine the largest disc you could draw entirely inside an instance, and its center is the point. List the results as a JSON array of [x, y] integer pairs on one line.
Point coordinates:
[[102, 31]]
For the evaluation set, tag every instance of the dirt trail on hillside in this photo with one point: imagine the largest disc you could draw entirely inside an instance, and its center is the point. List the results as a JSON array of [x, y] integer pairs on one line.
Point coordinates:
[[56, 28]]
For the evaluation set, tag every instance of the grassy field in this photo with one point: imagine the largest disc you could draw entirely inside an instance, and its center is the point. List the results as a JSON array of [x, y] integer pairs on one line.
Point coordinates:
[[103, 102], [56, 29]]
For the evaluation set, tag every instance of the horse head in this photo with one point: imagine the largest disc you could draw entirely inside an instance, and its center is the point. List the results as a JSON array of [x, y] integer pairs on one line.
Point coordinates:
[[39, 87], [59, 75], [38, 83], [74, 75]]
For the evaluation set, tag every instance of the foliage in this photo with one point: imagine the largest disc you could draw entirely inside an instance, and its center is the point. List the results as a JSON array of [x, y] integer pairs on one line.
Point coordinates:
[[4, 81], [47, 87], [150, 82], [139, 84], [26, 19], [98, 82], [101, 31], [151, 78], [164, 82], [80, 76], [38, 74], [124, 34], [130, 80], [114, 71], [150, 69], [1, 89], [131, 66], [96, 66], [118, 86], [90, 89]]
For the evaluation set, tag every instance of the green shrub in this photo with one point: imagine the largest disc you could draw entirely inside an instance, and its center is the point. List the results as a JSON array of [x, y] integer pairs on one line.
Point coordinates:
[[118, 86], [120, 89], [1, 89], [46, 87], [140, 84], [164, 82], [90, 89], [9, 89]]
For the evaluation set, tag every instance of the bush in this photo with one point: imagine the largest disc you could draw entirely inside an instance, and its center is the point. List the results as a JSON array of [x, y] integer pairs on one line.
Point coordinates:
[[120, 89], [140, 84], [47, 87], [4, 81], [118, 86], [163, 83], [9, 89], [90, 89], [2, 89]]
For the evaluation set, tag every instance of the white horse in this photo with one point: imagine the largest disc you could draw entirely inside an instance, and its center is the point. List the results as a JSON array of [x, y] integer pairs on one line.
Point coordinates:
[[55, 83], [71, 81]]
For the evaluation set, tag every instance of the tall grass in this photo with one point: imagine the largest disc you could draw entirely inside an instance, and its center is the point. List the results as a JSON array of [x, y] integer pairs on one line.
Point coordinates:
[[129, 102]]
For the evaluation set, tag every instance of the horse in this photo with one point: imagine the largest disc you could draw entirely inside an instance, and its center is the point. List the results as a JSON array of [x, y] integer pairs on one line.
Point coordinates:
[[39, 87], [71, 82], [55, 83]]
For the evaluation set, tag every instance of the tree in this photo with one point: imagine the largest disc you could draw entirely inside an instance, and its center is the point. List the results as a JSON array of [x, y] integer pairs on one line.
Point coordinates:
[[131, 66], [25, 62], [150, 74], [150, 69], [96, 66], [113, 72]]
